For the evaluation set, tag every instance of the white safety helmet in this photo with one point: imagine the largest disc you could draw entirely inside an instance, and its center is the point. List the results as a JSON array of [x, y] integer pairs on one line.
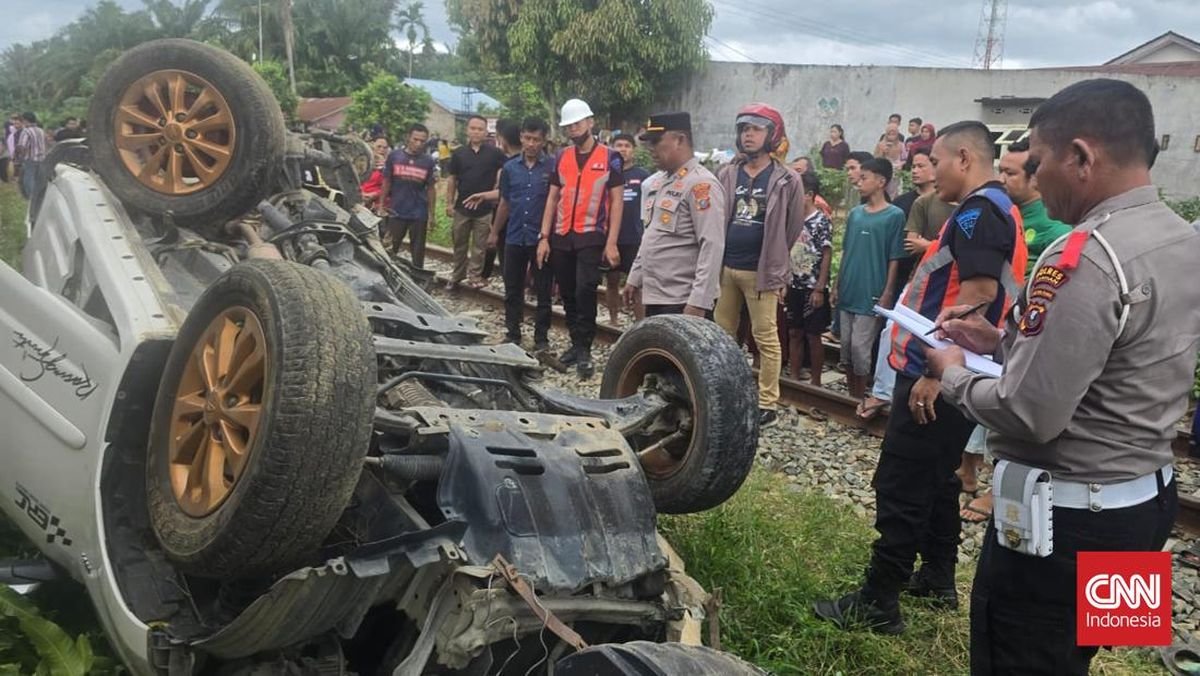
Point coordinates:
[[573, 111]]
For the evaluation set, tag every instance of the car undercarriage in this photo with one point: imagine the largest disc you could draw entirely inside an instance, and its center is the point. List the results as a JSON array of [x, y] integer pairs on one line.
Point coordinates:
[[295, 460]]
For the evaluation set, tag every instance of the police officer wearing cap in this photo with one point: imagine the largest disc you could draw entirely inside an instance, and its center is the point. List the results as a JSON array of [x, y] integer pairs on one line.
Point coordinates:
[[1098, 358], [678, 268]]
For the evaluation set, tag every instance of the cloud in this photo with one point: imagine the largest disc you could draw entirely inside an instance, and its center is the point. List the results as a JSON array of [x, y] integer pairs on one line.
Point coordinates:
[[881, 32], [941, 32]]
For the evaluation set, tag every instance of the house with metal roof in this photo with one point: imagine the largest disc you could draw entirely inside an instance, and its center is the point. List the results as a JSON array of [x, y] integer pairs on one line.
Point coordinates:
[[450, 106]]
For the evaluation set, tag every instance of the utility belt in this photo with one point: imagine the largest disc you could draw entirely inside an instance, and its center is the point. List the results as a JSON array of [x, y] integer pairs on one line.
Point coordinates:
[[1025, 498]]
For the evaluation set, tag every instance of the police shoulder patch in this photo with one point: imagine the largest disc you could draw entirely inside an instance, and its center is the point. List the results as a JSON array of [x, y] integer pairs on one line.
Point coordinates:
[[1051, 276], [966, 221], [1034, 319]]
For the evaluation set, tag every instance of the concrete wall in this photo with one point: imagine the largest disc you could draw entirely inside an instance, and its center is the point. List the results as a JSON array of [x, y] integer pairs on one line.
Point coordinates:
[[861, 97], [440, 121]]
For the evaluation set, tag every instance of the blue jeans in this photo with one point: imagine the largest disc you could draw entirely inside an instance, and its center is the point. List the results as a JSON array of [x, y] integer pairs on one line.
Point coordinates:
[[28, 176], [885, 377]]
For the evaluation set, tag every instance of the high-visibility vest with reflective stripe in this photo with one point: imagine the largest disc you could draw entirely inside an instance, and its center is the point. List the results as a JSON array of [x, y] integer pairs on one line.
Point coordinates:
[[935, 284], [583, 201]]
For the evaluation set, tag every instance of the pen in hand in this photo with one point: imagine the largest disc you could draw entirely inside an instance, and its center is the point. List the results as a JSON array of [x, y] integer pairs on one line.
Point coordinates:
[[964, 315]]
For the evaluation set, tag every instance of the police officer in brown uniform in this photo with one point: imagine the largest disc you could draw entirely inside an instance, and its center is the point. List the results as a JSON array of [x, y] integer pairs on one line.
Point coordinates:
[[678, 268], [1098, 359]]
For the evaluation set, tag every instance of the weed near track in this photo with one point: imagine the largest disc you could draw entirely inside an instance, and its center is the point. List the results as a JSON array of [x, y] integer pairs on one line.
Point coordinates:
[[774, 551]]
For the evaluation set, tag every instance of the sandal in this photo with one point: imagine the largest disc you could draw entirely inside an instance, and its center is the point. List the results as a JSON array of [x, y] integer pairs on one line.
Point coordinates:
[[1181, 660], [867, 411], [1190, 557], [971, 513]]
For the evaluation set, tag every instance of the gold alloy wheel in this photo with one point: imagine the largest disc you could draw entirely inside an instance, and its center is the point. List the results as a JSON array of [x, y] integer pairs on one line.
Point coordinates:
[[174, 132], [665, 456], [217, 409]]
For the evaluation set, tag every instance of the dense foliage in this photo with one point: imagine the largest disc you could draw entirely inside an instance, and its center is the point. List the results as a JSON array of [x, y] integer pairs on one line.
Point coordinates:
[[388, 102], [337, 46], [618, 54]]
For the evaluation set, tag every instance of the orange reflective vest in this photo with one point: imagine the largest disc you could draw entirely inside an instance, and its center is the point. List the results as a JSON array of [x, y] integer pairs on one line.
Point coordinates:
[[935, 283], [583, 202]]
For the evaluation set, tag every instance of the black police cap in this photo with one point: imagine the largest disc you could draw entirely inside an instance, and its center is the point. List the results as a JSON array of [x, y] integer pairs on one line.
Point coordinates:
[[664, 122]]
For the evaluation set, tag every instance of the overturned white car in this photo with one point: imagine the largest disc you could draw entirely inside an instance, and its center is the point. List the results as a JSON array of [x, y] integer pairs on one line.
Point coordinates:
[[264, 449]]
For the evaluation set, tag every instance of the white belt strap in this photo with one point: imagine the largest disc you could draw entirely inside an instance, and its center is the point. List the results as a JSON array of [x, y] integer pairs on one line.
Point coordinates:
[[1097, 497]]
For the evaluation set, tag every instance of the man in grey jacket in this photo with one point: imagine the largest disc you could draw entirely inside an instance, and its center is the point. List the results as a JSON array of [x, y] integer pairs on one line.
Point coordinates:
[[764, 213]]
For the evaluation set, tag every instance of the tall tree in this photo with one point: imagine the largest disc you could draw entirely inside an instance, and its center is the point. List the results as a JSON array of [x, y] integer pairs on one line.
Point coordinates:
[[410, 21], [390, 103], [619, 54], [182, 20], [289, 40]]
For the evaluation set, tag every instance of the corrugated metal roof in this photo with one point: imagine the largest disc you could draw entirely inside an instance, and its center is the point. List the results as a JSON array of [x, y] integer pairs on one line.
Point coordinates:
[[456, 99]]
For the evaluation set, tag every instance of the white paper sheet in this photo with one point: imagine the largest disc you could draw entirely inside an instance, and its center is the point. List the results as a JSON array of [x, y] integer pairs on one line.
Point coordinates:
[[919, 325]]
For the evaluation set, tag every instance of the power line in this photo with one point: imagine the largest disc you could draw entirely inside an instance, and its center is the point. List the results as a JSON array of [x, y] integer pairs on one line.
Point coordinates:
[[815, 29], [731, 48]]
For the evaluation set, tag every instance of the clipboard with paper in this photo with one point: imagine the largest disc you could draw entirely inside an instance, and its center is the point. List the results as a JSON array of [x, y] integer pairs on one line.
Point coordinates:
[[920, 325]]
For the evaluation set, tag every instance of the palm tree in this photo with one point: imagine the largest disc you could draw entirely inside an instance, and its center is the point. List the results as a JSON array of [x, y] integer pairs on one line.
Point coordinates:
[[178, 21], [409, 21]]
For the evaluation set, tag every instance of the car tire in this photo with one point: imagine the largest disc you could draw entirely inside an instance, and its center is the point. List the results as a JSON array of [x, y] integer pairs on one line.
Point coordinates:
[[214, 163], [270, 486], [702, 369]]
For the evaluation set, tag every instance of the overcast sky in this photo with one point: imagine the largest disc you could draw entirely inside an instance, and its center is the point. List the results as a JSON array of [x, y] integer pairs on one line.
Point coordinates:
[[935, 33]]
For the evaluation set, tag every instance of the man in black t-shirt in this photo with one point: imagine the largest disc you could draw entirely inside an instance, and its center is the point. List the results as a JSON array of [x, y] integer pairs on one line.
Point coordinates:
[[630, 238], [473, 169]]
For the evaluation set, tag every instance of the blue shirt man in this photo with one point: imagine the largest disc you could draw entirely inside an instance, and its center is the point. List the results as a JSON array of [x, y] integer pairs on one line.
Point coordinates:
[[524, 187]]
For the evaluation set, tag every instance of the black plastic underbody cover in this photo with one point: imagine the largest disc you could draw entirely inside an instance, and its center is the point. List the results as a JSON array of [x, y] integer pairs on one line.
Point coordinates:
[[642, 658], [567, 506]]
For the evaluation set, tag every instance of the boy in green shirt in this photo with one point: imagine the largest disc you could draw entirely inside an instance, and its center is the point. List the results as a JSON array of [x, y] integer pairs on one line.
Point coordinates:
[[871, 252]]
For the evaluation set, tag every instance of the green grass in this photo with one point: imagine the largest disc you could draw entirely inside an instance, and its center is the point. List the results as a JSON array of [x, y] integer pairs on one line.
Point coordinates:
[[12, 224], [441, 234], [774, 551]]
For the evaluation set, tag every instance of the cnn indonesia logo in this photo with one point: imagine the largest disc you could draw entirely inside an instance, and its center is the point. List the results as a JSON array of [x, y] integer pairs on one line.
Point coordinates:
[[1124, 598]]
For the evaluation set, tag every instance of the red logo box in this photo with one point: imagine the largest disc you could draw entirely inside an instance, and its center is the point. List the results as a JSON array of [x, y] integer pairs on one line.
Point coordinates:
[[1123, 598]]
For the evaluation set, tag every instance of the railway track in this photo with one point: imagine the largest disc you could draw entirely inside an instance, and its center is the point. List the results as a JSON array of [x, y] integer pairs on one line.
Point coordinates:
[[818, 402]]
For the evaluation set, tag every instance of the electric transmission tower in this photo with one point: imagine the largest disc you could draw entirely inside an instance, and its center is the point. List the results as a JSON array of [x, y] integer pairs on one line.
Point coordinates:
[[989, 42]]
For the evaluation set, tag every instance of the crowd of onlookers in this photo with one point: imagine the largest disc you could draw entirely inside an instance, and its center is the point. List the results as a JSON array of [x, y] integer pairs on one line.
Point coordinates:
[[487, 186], [756, 254], [26, 143]]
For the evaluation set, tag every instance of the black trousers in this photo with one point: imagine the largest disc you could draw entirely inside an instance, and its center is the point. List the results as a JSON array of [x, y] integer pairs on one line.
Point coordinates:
[[1023, 607], [493, 256], [577, 272], [517, 260], [916, 496], [415, 230], [655, 310]]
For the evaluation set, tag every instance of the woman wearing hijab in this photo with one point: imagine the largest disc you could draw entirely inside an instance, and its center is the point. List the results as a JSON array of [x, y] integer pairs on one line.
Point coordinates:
[[922, 141]]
